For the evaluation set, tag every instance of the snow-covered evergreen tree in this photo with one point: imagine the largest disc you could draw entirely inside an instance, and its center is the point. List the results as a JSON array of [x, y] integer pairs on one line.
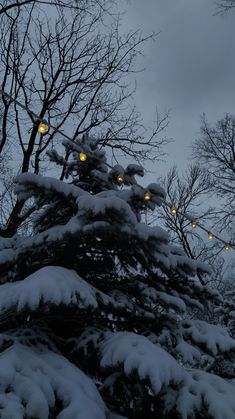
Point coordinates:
[[97, 307]]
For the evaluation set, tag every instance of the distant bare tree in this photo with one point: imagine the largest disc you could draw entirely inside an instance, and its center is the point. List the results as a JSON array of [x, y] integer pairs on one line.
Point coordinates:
[[215, 150], [211, 179], [190, 194]]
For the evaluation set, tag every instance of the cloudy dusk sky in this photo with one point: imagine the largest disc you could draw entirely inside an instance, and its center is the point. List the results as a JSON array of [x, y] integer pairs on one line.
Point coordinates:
[[189, 69]]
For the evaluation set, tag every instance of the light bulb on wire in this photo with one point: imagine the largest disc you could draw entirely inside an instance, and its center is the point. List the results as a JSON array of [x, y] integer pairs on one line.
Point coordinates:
[[120, 178], [226, 246], [210, 236], [173, 210], [147, 196], [82, 156], [194, 224], [43, 128]]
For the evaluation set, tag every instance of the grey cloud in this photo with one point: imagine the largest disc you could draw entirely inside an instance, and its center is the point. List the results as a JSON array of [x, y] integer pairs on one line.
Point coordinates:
[[191, 66]]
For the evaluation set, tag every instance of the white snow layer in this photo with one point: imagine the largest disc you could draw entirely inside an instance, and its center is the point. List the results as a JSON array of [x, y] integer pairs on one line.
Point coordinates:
[[31, 381], [214, 337], [164, 299], [136, 352], [188, 352], [195, 390], [55, 285], [26, 181], [51, 284], [206, 390], [99, 205]]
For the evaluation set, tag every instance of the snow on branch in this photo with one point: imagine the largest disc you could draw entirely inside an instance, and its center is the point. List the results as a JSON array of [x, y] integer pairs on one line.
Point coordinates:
[[51, 284], [55, 285], [136, 352], [33, 381], [29, 185], [186, 391], [207, 393], [214, 337], [102, 203]]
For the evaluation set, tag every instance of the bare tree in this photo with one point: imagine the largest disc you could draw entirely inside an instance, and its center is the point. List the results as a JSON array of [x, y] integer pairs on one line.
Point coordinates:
[[69, 68], [206, 193], [190, 194], [215, 150]]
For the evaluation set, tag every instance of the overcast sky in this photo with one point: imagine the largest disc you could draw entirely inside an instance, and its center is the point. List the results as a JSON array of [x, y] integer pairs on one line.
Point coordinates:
[[190, 69]]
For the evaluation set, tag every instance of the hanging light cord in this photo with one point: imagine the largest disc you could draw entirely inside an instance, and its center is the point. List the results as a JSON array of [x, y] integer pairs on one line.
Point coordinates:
[[199, 225], [36, 117]]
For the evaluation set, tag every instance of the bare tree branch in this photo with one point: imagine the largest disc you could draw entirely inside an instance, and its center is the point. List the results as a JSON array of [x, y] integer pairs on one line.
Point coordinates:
[[5, 7], [224, 6]]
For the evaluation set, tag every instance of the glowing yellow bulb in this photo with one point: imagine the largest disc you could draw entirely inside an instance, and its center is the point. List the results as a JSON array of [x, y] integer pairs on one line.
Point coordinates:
[[226, 246], [147, 196], [120, 178], [210, 236], [173, 210], [194, 224], [82, 156], [43, 128]]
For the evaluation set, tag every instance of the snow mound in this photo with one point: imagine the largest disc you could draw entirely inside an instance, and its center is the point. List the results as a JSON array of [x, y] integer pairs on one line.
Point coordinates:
[[188, 352], [32, 382], [137, 353], [207, 391], [29, 184], [214, 337], [100, 204], [56, 285], [52, 284], [166, 300]]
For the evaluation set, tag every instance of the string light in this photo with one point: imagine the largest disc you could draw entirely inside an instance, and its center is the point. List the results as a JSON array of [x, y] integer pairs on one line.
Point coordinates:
[[82, 156], [34, 115], [147, 195], [43, 128], [120, 178], [195, 224]]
